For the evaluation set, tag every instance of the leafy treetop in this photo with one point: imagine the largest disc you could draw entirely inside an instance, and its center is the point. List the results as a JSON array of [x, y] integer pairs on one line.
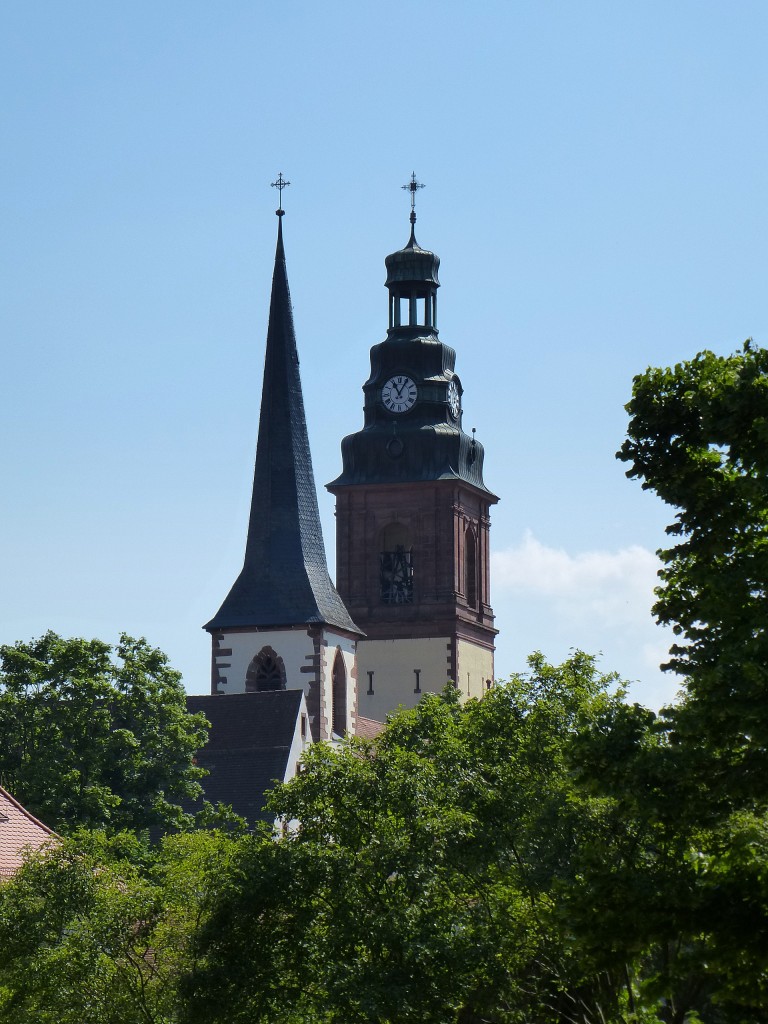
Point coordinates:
[[698, 437], [96, 737]]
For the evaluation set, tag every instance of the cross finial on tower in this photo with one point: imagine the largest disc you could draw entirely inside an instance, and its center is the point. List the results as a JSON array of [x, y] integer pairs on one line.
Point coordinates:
[[280, 184], [413, 186]]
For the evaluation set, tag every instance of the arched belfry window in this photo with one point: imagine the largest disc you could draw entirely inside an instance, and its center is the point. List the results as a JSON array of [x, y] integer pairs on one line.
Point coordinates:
[[339, 710], [265, 672], [396, 565], [470, 567]]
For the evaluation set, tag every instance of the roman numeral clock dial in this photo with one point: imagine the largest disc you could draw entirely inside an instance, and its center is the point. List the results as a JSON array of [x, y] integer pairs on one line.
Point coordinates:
[[399, 394]]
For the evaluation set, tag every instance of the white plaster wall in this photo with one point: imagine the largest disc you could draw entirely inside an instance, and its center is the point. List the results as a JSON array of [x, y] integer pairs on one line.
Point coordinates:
[[293, 645], [296, 647], [392, 663], [474, 665], [298, 745]]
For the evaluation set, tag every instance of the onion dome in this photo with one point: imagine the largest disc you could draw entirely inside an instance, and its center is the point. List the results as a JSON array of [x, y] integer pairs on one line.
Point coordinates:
[[412, 265]]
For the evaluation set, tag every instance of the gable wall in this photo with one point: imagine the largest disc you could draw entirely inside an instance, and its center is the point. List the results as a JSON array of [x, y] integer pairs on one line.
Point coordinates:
[[308, 656]]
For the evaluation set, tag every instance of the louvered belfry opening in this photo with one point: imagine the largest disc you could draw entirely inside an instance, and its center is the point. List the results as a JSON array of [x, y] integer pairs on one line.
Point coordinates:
[[395, 565], [266, 672]]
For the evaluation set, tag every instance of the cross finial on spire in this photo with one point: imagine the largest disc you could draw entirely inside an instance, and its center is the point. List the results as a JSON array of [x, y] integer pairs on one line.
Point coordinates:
[[413, 186], [280, 184]]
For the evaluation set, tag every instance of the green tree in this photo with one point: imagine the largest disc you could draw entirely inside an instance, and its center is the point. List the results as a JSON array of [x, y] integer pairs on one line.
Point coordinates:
[[447, 872], [698, 437], [95, 737], [98, 930], [533, 857]]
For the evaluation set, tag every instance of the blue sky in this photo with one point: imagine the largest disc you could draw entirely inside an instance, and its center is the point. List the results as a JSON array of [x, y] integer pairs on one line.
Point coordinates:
[[596, 192]]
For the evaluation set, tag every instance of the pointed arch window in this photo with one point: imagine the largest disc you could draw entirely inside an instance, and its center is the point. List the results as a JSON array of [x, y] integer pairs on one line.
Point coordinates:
[[339, 710], [470, 567], [396, 565], [265, 672]]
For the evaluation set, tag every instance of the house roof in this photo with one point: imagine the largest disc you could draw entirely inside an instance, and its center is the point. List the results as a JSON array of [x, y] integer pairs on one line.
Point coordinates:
[[248, 746], [368, 728], [284, 580], [20, 831]]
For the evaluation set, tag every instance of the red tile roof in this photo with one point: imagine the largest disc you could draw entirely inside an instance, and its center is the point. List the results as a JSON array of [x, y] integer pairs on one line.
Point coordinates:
[[368, 728], [19, 831]]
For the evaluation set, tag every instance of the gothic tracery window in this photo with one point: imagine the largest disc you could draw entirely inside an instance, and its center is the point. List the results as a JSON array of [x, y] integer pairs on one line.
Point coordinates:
[[265, 672]]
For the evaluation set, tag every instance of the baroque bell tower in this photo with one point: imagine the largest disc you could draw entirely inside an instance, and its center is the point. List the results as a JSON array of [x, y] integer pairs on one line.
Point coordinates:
[[412, 510]]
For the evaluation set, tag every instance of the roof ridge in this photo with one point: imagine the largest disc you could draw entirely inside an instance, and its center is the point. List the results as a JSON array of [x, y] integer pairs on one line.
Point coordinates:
[[27, 814]]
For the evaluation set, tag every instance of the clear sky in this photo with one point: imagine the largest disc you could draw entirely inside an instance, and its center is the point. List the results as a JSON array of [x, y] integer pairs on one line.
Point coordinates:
[[596, 176]]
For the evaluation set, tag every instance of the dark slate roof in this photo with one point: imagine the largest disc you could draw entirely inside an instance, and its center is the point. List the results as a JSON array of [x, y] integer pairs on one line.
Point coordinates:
[[248, 746], [284, 580], [412, 264]]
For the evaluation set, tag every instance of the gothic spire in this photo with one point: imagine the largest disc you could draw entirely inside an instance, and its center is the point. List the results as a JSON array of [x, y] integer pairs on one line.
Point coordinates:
[[284, 580]]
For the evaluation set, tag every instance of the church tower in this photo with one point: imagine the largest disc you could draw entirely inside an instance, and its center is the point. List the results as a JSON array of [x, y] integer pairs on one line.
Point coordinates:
[[412, 510], [283, 625]]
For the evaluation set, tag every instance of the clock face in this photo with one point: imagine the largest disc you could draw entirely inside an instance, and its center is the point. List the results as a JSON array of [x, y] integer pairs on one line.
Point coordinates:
[[454, 400], [399, 394]]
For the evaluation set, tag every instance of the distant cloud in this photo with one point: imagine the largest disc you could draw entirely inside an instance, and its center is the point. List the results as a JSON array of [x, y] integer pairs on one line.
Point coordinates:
[[548, 599], [613, 587]]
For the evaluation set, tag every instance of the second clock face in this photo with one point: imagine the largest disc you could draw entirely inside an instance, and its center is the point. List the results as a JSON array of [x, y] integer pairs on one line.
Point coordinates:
[[454, 400], [399, 394]]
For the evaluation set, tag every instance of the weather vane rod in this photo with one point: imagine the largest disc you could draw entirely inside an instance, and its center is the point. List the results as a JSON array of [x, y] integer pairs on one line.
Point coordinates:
[[280, 184], [413, 186]]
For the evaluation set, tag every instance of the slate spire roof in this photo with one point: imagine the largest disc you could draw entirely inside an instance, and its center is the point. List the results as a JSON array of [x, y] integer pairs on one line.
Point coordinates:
[[284, 580]]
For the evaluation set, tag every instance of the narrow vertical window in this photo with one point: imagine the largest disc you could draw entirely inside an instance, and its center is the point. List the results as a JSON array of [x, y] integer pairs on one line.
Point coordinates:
[[339, 722], [470, 568]]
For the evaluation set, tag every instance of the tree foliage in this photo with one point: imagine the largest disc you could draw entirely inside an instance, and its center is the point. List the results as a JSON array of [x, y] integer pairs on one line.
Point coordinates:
[[95, 737], [536, 857], [698, 437], [509, 860], [98, 930]]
